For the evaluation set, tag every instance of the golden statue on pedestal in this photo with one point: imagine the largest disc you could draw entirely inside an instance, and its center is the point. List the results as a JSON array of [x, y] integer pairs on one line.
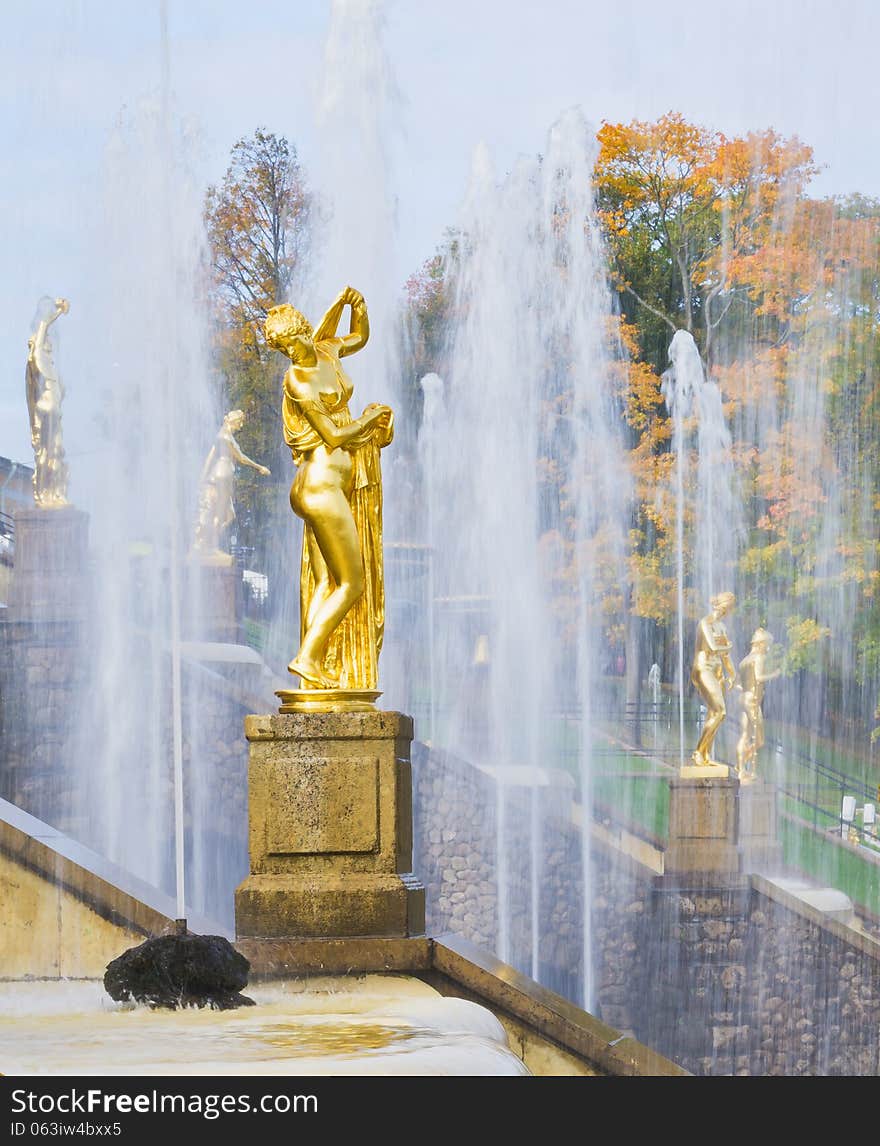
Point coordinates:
[[216, 509], [44, 396], [752, 676], [337, 492], [712, 674]]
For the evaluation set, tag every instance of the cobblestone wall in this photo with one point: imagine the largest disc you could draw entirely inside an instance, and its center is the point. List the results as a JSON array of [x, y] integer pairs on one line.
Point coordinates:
[[43, 675], [456, 808], [723, 981], [729, 981]]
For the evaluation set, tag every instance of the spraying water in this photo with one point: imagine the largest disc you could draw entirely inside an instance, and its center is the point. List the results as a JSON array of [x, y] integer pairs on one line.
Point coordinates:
[[357, 117], [713, 510], [526, 485], [151, 365]]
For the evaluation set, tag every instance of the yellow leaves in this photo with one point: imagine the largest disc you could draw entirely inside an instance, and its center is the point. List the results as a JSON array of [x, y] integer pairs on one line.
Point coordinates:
[[805, 637], [765, 560]]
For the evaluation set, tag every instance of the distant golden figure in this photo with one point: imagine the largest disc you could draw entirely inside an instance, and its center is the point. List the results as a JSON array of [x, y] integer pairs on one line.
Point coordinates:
[[44, 397], [752, 677], [712, 664], [216, 508], [337, 492]]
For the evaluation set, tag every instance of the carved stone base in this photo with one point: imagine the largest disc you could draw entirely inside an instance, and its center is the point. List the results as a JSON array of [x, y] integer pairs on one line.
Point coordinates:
[[340, 906], [330, 799], [760, 849], [719, 827], [211, 599], [51, 562], [703, 825]]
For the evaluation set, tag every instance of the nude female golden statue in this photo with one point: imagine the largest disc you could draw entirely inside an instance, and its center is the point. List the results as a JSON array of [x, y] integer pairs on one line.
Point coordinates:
[[337, 492], [712, 673]]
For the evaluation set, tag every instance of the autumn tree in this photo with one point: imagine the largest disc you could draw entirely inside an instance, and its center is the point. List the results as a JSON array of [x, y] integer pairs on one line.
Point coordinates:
[[257, 223], [686, 211], [720, 237]]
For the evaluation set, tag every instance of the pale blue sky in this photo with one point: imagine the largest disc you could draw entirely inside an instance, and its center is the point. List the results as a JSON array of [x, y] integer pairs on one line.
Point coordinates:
[[498, 71]]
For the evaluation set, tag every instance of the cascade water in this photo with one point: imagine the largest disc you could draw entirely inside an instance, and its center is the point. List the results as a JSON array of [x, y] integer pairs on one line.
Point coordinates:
[[527, 491]]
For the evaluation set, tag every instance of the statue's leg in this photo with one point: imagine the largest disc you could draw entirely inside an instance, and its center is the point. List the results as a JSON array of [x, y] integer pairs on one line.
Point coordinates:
[[742, 745], [331, 520], [225, 507], [710, 690], [321, 575]]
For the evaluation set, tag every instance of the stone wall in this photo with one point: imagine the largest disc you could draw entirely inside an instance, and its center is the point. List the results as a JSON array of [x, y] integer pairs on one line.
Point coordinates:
[[44, 746], [454, 845], [740, 979], [43, 674], [734, 980], [455, 810]]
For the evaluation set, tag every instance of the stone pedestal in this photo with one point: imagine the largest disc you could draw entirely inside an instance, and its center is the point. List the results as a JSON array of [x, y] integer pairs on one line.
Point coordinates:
[[719, 827], [760, 848], [44, 660], [51, 561], [212, 612], [703, 827], [330, 822]]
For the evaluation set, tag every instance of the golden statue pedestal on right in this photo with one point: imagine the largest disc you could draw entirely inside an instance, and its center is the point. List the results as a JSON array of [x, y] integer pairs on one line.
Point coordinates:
[[723, 821]]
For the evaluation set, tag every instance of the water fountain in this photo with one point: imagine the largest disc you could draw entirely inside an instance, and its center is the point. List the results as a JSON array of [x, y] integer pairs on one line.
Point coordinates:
[[706, 504], [503, 548], [526, 439]]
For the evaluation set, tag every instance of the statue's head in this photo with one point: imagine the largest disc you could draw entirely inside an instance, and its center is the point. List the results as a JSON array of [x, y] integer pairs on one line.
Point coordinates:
[[723, 602], [235, 420], [290, 332], [761, 640]]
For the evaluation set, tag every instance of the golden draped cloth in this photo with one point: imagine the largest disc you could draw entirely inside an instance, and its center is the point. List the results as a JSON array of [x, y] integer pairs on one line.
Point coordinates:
[[353, 652]]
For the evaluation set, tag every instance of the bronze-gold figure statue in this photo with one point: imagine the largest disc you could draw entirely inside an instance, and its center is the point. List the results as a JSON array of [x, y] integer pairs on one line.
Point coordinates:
[[712, 673], [216, 508], [752, 678], [44, 397], [337, 492]]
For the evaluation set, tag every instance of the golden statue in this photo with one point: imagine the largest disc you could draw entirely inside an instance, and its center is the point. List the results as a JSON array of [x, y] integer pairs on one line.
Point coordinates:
[[337, 492], [44, 396], [216, 508], [711, 665], [752, 677]]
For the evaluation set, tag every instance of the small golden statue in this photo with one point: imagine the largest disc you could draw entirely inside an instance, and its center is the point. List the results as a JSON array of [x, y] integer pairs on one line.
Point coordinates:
[[712, 664], [216, 508], [752, 677], [44, 397], [337, 492]]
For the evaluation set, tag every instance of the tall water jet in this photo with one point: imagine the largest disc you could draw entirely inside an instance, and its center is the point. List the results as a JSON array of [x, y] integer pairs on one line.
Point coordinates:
[[357, 117], [432, 412], [354, 243], [707, 508], [528, 495], [150, 360]]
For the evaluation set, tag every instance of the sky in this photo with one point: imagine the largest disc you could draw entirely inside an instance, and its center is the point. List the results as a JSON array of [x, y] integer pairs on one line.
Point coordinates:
[[465, 73]]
